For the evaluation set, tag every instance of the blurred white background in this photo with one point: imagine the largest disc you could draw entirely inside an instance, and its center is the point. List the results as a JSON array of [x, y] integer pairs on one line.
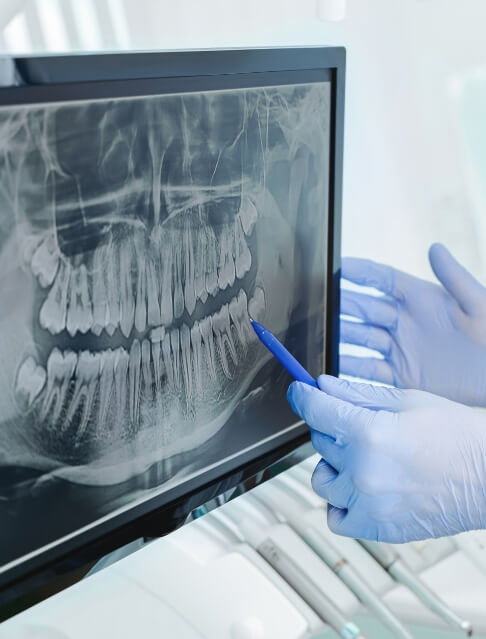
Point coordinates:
[[415, 145]]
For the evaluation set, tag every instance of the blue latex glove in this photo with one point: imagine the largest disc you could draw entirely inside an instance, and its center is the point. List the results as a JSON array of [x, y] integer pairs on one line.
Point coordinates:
[[398, 465], [432, 337]]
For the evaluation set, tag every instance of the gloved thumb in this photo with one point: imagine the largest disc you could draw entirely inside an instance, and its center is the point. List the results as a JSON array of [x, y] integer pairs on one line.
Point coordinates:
[[458, 281]]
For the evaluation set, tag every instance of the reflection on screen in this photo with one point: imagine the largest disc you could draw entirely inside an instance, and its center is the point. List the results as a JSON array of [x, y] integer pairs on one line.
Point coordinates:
[[136, 235]]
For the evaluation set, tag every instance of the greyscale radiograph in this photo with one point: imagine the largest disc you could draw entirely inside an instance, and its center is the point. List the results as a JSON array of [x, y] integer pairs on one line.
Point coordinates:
[[136, 236]]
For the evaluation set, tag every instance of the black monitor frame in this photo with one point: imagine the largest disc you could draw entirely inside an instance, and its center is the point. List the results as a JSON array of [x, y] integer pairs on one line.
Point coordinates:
[[65, 78]]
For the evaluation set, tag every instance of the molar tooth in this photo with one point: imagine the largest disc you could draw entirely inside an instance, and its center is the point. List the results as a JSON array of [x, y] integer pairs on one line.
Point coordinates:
[[153, 307], [196, 354], [60, 369], [224, 339], [248, 215], [242, 252], [100, 292], [206, 328], [226, 269], [147, 376], [178, 292], [141, 297], [186, 362], [239, 316], [52, 315], [189, 270], [256, 306], [121, 360], [45, 261], [79, 314], [134, 381], [86, 383], [211, 262], [106, 387], [166, 308], [127, 304], [31, 378]]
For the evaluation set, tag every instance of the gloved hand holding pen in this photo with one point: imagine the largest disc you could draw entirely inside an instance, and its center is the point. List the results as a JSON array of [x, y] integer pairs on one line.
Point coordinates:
[[432, 337], [398, 465]]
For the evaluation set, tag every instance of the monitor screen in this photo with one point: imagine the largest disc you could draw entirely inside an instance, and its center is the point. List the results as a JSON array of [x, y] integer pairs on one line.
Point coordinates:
[[139, 230]]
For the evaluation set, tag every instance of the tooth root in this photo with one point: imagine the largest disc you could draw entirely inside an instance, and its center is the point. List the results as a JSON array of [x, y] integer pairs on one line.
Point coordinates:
[[141, 301], [52, 316], [186, 361], [60, 369], [121, 359], [166, 308], [171, 354], [242, 252], [256, 306], [176, 361], [239, 316], [189, 268], [79, 315], [153, 307], [148, 378], [226, 270], [157, 367], [45, 261], [113, 290], [86, 383], [178, 292], [207, 338], [31, 378], [107, 381], [134, 381], [127, 304], [196, 354], [248, 215], [100, 291], [200, 251], [211, 262], [224, 339]]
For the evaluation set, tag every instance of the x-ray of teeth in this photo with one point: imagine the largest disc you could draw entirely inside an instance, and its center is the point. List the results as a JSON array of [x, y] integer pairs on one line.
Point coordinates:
[[137, 234]]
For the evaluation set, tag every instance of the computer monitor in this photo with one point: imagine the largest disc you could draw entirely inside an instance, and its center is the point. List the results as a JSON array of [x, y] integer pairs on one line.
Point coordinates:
[[149, 201]]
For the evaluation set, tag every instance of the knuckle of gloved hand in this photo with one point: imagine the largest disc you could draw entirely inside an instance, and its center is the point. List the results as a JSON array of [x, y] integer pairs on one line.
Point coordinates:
[[323, 475]]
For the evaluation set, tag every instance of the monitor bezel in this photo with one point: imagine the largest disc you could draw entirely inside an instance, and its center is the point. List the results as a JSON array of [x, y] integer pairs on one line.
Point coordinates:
[[47, 79]]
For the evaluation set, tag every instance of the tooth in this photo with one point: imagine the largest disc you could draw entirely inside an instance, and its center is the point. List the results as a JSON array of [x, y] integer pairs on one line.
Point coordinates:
[[178, 292], [60, 369], [211, 262], [141, 298], [206, 328], [45, 261], [79, 314], [200, 251], [157, 366], [157, 334], [153, 308], [189, 268], [86, 383], [248, 215], [121, 372], [170, 350], [147, 376], [186, 361], [52, 315], [239, 316], [175, 347], [166, 312], [113, 290], [226, 270], [127, 304], [196, 353], [29, 383], [134, 381], [242, 252], [256, 306], [224, 339], [30, 243], [100, 292], [106, 387]]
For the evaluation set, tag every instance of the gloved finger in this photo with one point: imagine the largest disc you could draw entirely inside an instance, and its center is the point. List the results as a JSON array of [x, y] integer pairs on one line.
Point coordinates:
[[330, 485], [337, 521], [365, 335], [328, 449], [370, 309], [457, 280], [369, 273], [372, 368], [325, 413], [367, 396]]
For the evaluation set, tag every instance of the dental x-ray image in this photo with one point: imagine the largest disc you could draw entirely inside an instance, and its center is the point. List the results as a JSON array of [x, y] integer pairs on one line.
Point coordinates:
[[136, 236]]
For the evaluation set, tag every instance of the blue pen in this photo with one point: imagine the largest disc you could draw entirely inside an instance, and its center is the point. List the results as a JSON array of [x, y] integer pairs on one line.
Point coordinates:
[[279, 351]]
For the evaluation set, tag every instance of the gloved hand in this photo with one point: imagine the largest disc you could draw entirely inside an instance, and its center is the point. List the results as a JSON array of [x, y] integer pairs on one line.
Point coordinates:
[[398, 465], [432, 337]]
